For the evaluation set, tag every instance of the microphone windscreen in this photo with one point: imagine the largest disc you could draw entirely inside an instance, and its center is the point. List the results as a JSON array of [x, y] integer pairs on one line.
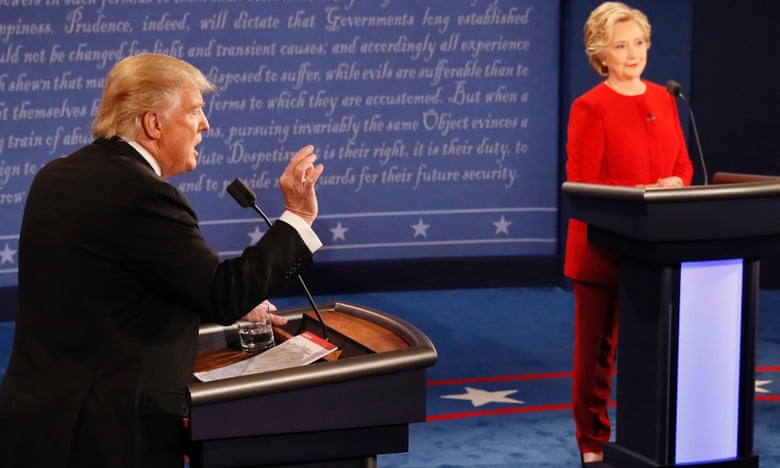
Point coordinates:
[[241, 193], [673, 88]]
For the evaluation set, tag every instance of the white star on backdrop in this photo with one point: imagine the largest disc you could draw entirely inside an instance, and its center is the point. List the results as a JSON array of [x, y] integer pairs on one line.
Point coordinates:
[[255, 235], [479, 397], [420, 229], [7, 255], [760, 384], [339, 231], [502, 225]]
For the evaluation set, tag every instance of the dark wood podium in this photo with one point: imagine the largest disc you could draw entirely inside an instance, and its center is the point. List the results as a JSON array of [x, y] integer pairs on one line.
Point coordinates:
[[339, 413], [689, 270]]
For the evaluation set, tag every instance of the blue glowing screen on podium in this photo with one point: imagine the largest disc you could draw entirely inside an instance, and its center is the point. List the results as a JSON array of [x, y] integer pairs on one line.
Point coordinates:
[[709, 354]]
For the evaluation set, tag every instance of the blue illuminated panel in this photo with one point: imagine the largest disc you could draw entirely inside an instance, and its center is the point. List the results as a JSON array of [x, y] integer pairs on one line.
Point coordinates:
[[708, 360]]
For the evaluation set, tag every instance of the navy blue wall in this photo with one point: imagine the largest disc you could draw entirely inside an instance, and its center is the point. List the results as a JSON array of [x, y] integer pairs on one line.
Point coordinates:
[[735, 93], [721, 54]]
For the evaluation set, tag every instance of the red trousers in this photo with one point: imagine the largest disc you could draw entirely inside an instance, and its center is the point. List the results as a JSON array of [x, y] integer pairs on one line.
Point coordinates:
[[595, 342]]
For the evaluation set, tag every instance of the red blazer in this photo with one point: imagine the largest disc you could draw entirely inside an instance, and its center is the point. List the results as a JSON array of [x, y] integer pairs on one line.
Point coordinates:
[[619, 140]]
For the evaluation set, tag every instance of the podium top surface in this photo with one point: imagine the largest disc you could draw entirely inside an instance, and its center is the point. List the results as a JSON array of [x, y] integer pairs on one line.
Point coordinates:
[[378, 332], [726, 186], [378, 381], [735, 207]]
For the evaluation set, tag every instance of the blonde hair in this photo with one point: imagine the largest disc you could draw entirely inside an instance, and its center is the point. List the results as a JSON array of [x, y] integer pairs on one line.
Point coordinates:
[[139, 84], [600, 26]]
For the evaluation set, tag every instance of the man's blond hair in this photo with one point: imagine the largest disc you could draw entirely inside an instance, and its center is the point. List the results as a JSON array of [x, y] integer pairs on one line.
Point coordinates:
[[143, 83]]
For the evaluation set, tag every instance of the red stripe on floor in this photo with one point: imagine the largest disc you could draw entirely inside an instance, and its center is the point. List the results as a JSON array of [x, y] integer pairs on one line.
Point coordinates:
[[502, 378], [550, 375], [497, 412]]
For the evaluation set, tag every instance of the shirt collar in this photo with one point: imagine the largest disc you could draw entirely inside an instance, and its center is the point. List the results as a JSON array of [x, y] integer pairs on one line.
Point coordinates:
[[147, 156]]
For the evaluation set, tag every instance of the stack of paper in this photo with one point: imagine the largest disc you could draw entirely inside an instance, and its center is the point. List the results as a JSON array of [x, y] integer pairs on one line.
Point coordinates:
[[299, 350]]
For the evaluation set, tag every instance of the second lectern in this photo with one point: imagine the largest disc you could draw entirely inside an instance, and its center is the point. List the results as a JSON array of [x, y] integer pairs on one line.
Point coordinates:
[[689, 271]]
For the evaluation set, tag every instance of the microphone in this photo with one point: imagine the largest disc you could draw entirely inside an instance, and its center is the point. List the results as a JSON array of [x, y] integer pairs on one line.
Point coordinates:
[[246, 198], [674, 88], [242, 194]]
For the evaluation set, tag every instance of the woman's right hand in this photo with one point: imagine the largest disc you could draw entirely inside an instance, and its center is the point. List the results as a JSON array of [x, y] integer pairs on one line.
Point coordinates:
[[666, 182]]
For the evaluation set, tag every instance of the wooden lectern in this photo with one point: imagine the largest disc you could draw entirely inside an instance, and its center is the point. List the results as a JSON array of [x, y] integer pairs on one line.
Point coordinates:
[[337, 413], [689, 270]]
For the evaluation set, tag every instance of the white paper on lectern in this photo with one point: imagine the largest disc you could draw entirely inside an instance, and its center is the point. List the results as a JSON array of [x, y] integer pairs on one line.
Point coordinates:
[[299, 350], [226, 372]]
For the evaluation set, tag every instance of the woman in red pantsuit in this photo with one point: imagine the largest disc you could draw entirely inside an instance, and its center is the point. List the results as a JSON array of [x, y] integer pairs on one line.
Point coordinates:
[[624, 131]]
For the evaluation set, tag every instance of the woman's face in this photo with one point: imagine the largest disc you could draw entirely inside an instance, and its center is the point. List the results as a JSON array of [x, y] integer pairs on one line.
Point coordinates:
[[626, 54]]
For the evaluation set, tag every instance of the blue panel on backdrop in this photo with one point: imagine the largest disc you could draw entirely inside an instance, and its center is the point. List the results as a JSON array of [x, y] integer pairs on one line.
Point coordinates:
[[437, 121]]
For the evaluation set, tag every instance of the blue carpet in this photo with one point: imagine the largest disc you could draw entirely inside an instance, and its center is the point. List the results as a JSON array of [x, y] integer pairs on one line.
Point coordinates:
[[514, 343]]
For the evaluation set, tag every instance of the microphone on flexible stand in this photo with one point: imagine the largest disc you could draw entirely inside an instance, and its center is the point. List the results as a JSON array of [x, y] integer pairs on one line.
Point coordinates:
[[674, 88], [246, 198]]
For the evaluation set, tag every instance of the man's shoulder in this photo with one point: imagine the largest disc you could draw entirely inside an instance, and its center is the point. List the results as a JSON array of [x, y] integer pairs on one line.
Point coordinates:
[[102, 168], [110, 158]]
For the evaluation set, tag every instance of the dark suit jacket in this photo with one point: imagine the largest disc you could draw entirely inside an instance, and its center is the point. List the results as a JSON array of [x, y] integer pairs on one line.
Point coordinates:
[[114, 280]]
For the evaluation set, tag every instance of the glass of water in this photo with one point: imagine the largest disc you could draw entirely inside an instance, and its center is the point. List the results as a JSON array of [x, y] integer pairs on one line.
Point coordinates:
[[256, 336]]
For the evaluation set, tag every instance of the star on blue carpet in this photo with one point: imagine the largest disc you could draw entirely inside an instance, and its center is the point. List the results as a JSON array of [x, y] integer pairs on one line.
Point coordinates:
[[479, 397], [760, 386]]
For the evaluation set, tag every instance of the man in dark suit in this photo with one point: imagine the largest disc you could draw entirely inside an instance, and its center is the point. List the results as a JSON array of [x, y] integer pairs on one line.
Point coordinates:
[[115, 278]]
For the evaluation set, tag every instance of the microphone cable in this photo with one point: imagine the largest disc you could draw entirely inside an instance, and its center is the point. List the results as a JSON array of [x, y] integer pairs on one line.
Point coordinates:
[[675, 89], [245, 197]]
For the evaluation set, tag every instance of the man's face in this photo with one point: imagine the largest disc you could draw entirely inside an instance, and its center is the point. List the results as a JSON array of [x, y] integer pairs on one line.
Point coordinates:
[[180, 133]]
